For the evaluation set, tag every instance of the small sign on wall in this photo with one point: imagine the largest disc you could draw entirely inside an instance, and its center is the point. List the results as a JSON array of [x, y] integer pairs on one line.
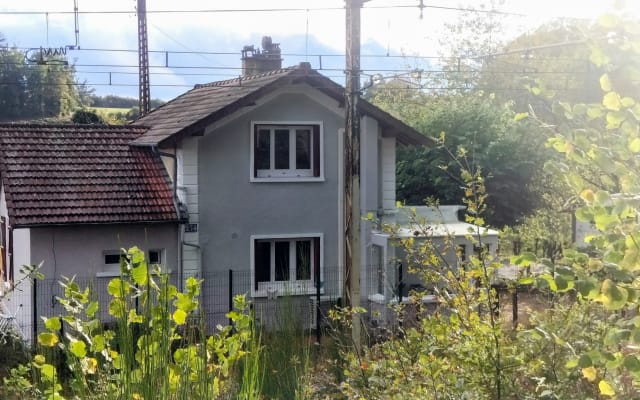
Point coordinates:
[[191, 228]]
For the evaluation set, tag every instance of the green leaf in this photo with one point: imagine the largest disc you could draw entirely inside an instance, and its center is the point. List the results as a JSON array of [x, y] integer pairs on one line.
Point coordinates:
[[78, 348], [118, 288], [605, 221], [47, 339], [179, 317], [117, 308], [606, 389], [520, 116], [585, 361], [140, 274], [632, 363], [48, 371], [92, 308], [562, 283], [612, 296], [98, 344], [184, 302], [611, 101], [53, 324], [548, 280], [634, 145], [590, 373], [605, 83], [134, 317], [594, 112]]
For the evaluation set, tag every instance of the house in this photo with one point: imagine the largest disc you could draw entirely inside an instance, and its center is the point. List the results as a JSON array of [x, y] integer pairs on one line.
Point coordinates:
[[71, 197], [249, 173], [454, 240]]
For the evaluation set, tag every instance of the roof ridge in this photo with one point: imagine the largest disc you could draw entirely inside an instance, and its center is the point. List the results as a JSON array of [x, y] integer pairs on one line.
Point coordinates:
[[248, 78], [69, 125]]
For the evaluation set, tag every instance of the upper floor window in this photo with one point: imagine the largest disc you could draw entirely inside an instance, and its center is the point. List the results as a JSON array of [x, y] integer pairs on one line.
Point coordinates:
[[286, 152]]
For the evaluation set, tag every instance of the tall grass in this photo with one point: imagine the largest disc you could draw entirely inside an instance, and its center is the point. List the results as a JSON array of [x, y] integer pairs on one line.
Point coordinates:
[[287, 353]]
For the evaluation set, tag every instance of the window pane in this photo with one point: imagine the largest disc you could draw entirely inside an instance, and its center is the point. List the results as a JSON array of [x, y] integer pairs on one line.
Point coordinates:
[[282, 149], [263, 261], [263, 149], [155, 257], [112, 258], [282, 261], [303, 149], [303, 260]]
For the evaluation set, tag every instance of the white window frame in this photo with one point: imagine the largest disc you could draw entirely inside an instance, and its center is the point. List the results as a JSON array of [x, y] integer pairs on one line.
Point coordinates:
[[113, 269], [288, 175], [306, 287]]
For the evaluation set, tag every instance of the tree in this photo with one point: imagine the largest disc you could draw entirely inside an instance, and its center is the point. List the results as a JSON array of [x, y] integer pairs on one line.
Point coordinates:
[[30, 90], [84, 116], [510, 155], [600, 144]]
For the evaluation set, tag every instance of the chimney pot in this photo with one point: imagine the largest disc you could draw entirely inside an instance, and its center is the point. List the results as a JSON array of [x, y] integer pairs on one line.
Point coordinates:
[[260, 61]]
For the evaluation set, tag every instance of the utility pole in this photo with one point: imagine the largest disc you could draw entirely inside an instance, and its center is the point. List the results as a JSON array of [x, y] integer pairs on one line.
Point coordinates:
[[144, 96], [352, 164]]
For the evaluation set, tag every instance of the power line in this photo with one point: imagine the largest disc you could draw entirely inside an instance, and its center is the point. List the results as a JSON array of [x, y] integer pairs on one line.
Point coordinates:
[[333, 55], [269, 10], [396, 89]]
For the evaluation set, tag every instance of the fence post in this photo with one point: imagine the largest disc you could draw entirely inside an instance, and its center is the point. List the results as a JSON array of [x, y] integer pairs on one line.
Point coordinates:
[[230, 294], [400, 283], [514, 308], [34, 309], [317, 310]]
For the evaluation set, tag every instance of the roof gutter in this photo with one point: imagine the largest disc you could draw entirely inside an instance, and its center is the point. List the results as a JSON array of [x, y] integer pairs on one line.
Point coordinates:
[[174, 183]]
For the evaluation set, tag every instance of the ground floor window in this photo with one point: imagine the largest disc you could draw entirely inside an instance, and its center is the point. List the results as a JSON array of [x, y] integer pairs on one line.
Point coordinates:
[[285, 264]]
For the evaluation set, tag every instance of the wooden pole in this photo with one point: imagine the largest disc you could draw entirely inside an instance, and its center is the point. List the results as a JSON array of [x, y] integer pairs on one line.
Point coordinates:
[[352, 164]]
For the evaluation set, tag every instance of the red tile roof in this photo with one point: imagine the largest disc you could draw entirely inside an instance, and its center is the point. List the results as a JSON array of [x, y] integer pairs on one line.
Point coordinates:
[[204, 104], [81, 174]]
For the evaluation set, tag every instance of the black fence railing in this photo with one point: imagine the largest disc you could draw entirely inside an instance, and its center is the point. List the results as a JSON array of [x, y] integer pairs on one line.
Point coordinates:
[[274, 303]]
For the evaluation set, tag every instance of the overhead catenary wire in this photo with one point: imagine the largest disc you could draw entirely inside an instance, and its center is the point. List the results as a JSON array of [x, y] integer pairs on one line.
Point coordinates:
[[270, 10]]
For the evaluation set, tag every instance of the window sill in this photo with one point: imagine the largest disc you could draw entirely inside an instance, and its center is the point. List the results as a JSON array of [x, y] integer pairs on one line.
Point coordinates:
[[107, 274], [275, 292], [116, 274], [288, 179]]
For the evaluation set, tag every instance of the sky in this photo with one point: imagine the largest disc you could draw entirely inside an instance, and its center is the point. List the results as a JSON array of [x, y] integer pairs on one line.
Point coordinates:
[[395, 34]]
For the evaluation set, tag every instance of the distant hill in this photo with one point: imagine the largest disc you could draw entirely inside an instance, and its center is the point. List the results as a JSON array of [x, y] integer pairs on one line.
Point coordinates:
[[111, 101]]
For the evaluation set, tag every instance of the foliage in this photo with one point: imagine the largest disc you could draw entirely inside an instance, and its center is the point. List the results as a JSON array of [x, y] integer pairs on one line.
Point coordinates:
[[286, 357], [84, 116], [169, 358], [454, 352], [600, 144], [510, 155], [30, 91]]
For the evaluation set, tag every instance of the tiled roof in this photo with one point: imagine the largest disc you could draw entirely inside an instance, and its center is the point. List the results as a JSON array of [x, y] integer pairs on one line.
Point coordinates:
[[204, 104], [81, 174]]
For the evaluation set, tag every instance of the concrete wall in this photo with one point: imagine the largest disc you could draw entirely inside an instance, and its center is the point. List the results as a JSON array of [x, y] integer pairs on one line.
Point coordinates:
[[188, 193], [79, 250], [4, 213], [232, 208], [19, 301]]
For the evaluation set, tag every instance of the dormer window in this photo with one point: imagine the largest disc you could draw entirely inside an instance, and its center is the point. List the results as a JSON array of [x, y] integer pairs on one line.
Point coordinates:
[[286, 152]]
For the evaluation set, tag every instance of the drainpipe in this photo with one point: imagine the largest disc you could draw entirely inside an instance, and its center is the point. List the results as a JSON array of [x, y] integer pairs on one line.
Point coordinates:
[[10, 254], [176, 203]]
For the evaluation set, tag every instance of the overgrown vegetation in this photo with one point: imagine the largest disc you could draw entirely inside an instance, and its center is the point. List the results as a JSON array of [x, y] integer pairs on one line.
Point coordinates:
[[157, 350]]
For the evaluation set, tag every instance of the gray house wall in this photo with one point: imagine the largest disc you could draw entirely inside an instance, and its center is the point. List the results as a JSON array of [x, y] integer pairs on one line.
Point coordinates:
[[79, 249], [232, 208]]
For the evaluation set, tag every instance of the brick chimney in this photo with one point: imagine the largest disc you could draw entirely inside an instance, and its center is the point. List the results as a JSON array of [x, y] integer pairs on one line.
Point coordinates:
[[257, 61]]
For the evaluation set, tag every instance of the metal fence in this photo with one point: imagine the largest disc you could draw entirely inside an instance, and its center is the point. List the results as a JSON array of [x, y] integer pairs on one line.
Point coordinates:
[[307, 307]]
